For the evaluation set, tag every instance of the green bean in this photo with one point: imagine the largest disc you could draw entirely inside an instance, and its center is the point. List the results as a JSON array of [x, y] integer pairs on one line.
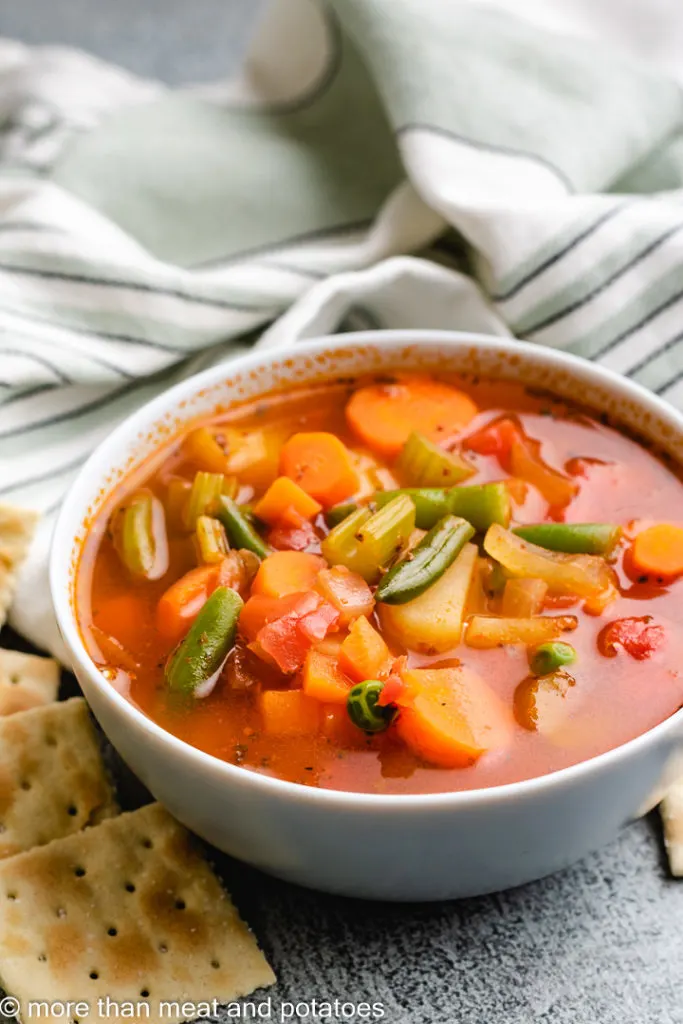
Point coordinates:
[[241, 533], [338, 513], [363, 710], [431, 503], [548, 657], [572, 538], [139, 535], [426, 563], [422, 463], [481, 504], [193, 666]]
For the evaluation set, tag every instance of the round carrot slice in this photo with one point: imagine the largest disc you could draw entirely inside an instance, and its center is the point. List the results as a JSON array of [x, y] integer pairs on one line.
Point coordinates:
[[321, 465], [384, 415], [658, 550]]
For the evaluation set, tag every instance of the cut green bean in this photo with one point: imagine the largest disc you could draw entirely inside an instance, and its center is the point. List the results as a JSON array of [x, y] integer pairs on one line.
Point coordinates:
[[481, 504], [338, 513], [363, 710], [193, 667], [431, 503], [548, 657], [572, 538], [422, 463], [139, 535], [426, 563], [212, 543], [241, 534]]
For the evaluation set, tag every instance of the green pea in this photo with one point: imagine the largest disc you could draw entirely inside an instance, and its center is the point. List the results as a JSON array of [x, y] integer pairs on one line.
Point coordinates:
[[547, 658], [363, 710]]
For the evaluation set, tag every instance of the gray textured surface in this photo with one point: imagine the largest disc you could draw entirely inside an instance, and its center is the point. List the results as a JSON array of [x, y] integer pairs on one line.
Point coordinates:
[[601, 943]]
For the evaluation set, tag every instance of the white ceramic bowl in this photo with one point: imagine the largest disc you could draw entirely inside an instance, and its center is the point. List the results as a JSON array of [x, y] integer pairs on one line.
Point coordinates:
[[423, 847]]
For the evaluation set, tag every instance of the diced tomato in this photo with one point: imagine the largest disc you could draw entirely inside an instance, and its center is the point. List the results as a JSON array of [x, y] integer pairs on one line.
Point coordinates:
[[299, 535], [285, 640], [392, 692], [496, 438], [639, 637], [261, 609]]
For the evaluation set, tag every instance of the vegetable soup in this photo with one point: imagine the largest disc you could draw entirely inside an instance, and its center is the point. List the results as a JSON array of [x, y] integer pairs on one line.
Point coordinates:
[[398, 585]]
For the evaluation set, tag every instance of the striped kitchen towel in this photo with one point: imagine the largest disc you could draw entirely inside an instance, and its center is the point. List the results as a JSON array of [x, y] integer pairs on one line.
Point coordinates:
[[378, 163]]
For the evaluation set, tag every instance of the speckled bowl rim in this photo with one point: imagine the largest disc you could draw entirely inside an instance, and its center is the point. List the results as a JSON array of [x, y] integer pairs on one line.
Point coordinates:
[[662, 425]]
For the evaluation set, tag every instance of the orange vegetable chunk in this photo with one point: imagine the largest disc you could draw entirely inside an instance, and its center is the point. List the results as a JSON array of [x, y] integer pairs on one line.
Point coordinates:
[[320, 464], [526, 463], [287, 572], [289, 713], [347, 591], [658, 550], [364, 654], [201, 448], [452, 717], [179, 606], [384, 415], [284, 501], [323, 680]]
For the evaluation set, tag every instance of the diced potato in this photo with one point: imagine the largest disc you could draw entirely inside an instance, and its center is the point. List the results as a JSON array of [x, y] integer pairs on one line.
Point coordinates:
[[523, 598], [347, 591], [433, 621], [452, 717], [541, 704], [486, 631], [584, 575], [253, 455]]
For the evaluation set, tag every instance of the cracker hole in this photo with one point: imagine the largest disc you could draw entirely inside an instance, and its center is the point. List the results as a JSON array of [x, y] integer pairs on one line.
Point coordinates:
[[72, 811], [61, 912], [25, 784], [147, 843], [112, 931], [42, 958], [14, 679], [79, 872], [2, 828], [130, 887], [163, 948], [215, 964], [144, 993], [50, 740], [180, 904], [11, 895], [94, 975]]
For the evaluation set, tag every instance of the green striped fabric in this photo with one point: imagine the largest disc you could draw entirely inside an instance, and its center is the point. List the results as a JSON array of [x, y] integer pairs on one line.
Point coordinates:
[[379, 163]]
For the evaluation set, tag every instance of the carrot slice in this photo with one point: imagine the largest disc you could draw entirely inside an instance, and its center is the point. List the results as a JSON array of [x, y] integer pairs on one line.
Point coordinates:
[[452, 717], [287, 572], [323, 680], [285, 501], [289, 713], [364, 654], [320, 464], [179, 606], [384, 415], [658, 550]]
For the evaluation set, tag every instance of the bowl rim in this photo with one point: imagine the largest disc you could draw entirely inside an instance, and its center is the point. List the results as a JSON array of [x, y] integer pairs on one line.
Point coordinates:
[[73, 513]]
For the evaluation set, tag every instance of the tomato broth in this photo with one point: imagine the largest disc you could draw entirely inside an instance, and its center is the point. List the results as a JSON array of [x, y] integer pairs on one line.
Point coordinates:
[[623, 679]]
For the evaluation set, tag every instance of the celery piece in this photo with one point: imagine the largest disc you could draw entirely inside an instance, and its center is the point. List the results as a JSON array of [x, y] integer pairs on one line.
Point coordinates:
[[383, 536], [138, 530], [422, 463], [431, 503], [205, 492], [340, 547], [481, 505], [212, 543]]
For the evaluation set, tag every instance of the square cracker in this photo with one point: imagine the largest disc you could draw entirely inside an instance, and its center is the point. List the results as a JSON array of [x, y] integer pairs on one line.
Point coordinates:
[[26, 681], [127, 909], [671, 810], [17, 526], [52, 777]]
